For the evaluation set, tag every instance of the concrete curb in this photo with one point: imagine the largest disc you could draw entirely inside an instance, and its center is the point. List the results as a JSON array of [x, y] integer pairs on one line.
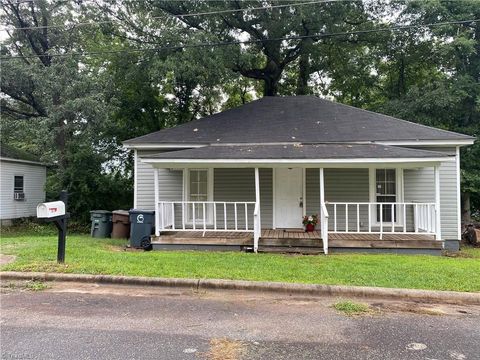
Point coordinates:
[[258, 286]]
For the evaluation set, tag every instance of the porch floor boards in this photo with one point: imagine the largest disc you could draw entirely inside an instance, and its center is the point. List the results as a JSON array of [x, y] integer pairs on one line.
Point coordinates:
[[297, 239], [386, 237], [388, 241]]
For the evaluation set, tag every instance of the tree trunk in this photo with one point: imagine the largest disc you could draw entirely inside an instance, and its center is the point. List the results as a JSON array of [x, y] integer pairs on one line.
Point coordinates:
[[304, 68], [466, 213], [303, 76], [271, 76], [270, 87]]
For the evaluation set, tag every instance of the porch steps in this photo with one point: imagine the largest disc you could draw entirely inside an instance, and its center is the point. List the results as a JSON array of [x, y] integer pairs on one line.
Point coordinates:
[[291, 250], [290, 242]]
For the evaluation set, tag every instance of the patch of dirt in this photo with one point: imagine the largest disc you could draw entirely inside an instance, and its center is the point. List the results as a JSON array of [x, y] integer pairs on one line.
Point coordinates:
[[9, 287], [425, 308], [115, 248], [457, 254], [7, 259], [22, 285], [224, 349], [131, 249]]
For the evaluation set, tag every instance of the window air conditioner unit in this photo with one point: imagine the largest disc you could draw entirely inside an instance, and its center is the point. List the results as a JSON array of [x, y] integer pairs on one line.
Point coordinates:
[[19, 196]]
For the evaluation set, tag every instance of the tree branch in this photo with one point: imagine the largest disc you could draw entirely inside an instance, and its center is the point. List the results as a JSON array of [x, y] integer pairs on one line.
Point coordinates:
[[17, 113]]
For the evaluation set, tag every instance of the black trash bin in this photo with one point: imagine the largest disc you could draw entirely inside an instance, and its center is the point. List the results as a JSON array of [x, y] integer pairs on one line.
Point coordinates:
[[141, 227], [101, 223]]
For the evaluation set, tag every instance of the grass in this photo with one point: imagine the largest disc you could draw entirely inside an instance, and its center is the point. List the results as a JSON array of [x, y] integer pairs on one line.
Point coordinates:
[[351, 308], [470, 252], [35, 285], [37, 252], [32, 285]]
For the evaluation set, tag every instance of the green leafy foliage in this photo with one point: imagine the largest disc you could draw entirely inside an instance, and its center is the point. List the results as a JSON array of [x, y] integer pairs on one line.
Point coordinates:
[[74, 111]]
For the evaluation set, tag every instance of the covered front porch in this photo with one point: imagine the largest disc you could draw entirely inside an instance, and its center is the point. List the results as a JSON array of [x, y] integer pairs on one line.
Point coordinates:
[[258, 205]]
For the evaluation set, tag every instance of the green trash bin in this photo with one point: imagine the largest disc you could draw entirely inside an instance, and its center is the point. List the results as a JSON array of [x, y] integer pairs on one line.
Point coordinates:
[[101, 223], [141, 228]]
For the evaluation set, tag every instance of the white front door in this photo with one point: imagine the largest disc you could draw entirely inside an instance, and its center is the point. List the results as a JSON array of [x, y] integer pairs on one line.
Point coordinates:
[[288, 198]]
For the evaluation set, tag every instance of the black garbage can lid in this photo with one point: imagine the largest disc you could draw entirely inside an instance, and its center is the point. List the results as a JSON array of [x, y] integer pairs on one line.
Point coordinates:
[[138, 211]]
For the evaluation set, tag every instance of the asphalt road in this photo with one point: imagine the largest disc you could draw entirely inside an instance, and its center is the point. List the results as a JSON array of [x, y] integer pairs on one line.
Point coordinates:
[[79, 321]]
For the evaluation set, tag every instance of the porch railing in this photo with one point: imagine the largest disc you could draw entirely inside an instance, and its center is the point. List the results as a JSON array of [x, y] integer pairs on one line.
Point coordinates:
[[382, 217], [231, 216]]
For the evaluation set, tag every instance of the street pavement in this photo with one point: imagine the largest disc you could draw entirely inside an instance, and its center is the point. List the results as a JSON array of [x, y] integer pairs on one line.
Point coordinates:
[[88, 321]]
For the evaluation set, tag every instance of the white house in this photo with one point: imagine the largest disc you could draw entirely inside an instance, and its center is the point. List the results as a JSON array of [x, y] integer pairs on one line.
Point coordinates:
[[245, 177], [22, 184]]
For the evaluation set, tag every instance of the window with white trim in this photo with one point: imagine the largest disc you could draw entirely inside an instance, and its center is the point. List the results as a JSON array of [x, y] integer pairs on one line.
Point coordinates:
[[18, 188], [198, 185], [199, 189], [386, 192]]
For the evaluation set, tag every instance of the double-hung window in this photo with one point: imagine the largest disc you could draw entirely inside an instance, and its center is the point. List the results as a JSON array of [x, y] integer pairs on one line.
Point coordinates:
[[386, 192], [199, 191], [198, 185], [18, 188]]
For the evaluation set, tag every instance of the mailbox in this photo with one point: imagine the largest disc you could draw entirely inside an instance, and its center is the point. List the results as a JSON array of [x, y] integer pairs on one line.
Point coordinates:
[[50, 209]]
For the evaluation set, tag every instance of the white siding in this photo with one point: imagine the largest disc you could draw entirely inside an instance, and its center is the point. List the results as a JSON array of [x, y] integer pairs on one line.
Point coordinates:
[[170, 184], [420, 186], [34, 177], [239, 185]]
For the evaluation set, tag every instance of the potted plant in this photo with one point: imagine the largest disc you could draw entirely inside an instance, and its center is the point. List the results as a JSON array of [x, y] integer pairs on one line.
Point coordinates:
[[309, 222]]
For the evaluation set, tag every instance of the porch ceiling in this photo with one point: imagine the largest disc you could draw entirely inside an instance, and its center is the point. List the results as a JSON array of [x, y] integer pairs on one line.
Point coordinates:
[[297, 154]]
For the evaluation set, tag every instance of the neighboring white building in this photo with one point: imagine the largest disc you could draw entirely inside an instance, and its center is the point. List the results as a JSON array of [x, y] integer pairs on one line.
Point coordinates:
[[22, 184]]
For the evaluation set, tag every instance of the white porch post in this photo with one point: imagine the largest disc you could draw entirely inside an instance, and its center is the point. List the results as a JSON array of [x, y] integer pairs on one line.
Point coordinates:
[[322, 190], [438, 229], [135, 178], [323, 224], [257, 225], [157, 208]]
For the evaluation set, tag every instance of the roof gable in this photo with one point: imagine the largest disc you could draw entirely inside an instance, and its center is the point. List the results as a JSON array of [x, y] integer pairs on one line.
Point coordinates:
[[305, 119]]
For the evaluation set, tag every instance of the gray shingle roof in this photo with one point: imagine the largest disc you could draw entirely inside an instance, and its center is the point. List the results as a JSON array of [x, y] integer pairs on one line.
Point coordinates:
[[10, 152], [305, 119], [319, 151]]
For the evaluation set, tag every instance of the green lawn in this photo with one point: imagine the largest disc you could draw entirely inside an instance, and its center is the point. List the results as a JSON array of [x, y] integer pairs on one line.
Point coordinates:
[[36, 251]]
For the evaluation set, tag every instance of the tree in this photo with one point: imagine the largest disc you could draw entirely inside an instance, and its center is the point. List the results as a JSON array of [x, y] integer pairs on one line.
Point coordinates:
[[267, 56], [432, 76], [55, 105]]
